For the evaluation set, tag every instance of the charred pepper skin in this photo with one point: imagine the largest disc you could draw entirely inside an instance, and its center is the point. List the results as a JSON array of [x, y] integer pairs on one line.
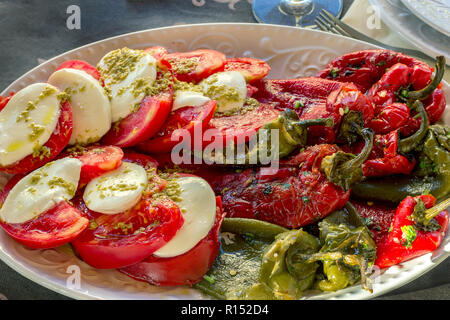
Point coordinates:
[[315, 98], [365, 68]]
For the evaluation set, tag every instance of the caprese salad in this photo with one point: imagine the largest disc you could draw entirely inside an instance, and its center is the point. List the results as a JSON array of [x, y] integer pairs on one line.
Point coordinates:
[[360, 166]]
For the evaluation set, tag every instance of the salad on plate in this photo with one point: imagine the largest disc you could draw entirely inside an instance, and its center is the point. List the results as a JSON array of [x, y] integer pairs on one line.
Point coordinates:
[[194, 169]]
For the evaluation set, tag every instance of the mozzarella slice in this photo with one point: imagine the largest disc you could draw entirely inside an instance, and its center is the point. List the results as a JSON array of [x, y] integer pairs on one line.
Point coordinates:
[[229, 89], [188, 99], [198, 203], [27, 121], [127, 73], [91, 108], [116, 191], [41, 190]]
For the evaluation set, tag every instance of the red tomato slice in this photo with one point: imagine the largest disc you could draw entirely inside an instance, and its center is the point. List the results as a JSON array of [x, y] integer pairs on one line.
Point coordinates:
[[142, 124], [186, 269], [96, 160], [157, 52], [195, 65], [55, 144], [120, 240], [241, 127], [5, 100], [252, 69], [53, 228], [83, 66], [184, 118]]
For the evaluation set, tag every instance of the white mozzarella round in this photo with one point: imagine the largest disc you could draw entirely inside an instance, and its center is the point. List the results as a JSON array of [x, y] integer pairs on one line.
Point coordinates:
[[188, 99], [198, 204], [91, 108], [228, 88], [41, 190], [27, 121], [126, 72], [116, 191]]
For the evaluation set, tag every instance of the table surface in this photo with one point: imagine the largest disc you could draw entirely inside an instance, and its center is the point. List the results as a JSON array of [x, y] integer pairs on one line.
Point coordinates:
[[35, 30]]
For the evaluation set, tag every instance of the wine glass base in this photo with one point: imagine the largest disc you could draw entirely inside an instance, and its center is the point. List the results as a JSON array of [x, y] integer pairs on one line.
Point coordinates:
[[268, 11]]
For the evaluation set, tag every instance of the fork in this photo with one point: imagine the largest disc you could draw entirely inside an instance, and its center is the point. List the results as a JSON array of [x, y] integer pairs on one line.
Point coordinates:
[[327, 22]]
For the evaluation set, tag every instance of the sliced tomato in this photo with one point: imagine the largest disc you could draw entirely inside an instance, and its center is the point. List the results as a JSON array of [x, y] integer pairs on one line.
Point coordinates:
[[55, 144], [96, 160], [143, 124], [252, 69], [157, 52], [5, 100], [195, 65], [143, 160], [83, 66], [185, 118], [120, 240], [53, 228], [240, 127], [186, 269]]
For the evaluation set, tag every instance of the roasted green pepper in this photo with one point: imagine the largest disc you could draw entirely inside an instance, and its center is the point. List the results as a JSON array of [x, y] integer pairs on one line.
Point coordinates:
[[345, 169], [348, 252], [260, 260]]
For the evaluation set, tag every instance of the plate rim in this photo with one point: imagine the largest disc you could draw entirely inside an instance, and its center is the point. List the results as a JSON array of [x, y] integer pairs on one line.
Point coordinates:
[[404, 34], [424, 18], [78, 294]]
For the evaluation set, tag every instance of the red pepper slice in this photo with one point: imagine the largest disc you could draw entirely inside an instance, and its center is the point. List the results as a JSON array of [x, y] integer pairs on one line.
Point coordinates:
[[407, 241]]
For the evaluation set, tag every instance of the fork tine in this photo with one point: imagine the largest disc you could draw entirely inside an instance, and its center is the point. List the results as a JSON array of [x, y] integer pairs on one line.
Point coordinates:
[[338, 23], [320, 25], [325, 26], [335, 26]]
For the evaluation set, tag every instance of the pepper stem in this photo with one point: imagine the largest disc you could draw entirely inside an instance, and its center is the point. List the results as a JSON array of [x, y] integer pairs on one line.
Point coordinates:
[[345, 169], [425, 92], [410, 143], [433, 212]]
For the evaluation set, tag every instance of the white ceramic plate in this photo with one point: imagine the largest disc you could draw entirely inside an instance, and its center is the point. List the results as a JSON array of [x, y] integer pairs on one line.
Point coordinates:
[[435, 13], [420, 34], [292, 52]]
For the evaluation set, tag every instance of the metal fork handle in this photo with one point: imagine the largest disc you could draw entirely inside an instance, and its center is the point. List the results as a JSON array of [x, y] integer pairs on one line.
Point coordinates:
[[360, 36]]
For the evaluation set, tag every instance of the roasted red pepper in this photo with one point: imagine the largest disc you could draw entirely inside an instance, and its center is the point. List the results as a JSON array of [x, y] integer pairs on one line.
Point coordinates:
[[384, 158], [290, 197], [365, 68], [314, 98], [391, 162], [414, 231], [376, 216]]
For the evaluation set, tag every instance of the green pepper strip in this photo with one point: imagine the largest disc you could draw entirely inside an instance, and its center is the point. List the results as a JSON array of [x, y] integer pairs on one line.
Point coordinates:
[[412, 142], [428, 90], [260, 229]]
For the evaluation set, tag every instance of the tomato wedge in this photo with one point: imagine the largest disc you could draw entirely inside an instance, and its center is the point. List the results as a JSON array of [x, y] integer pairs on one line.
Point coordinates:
[[83, 66], [5, 100], [53, 228], [184, 118], [195, 65], [186, 269], [240, 127], [252, 69], [143, 124], [120, 240], [55, 144], [157, 52], [96, 160]]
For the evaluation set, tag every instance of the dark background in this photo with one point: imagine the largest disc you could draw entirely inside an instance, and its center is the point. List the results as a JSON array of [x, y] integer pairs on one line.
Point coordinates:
[[36, 29]]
